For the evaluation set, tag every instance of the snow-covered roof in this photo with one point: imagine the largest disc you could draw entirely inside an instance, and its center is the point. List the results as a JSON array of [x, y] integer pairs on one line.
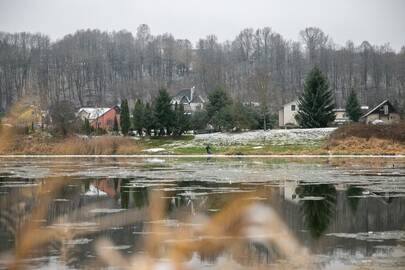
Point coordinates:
[[93, 113]]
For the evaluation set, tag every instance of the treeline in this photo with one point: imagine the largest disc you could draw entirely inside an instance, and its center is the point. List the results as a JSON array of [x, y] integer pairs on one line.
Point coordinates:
[[162, 118], [91, 67], [159, 118]]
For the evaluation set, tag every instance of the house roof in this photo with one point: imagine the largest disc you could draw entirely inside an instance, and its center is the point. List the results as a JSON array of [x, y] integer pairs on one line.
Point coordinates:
[[93, 113], [378, 106], [189, 94]]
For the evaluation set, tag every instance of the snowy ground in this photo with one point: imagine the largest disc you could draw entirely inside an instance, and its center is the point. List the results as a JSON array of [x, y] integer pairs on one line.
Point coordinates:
[[274, 137]]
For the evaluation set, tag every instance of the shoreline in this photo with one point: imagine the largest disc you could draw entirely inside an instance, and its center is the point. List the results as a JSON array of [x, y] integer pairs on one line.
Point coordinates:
[[207, 156]]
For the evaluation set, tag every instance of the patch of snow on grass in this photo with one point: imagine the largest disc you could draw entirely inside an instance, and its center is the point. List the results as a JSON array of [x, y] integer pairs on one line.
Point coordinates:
[[273, 137], [154, 150]]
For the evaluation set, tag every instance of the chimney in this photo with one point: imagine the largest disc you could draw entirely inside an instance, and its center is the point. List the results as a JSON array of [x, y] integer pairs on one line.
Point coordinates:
[[192, 93]]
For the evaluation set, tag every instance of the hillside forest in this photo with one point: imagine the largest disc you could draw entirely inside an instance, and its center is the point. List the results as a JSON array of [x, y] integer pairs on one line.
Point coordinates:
[[95, 68]]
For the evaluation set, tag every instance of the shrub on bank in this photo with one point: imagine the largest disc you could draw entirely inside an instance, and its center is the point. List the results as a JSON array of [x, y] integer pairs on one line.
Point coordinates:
[[368, 139], [393, 132]]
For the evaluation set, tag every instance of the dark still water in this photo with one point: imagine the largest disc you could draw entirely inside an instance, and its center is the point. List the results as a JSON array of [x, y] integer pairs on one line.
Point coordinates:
[[347, 213]]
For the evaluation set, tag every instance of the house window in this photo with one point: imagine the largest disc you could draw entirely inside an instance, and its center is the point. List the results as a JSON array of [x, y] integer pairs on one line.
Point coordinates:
[[110, 122], [386, 109], [293, 108]]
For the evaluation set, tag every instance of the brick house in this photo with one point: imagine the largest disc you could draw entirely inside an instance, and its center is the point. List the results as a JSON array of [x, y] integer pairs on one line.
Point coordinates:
[[100, 117]]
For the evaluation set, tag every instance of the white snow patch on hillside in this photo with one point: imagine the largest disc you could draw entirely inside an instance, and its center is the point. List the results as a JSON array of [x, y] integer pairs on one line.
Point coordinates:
[[274, 137]]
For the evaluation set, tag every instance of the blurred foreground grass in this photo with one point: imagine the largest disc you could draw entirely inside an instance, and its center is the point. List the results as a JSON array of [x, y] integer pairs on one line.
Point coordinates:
[[241, 221]]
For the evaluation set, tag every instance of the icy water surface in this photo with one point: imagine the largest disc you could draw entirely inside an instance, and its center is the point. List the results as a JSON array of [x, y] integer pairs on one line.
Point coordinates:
[[348, 212]]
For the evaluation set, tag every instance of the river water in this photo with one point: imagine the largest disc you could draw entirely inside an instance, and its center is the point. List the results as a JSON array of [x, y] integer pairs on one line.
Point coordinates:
[[347, 213]]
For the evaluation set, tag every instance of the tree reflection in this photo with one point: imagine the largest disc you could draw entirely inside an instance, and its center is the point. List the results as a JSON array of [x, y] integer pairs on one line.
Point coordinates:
[[351, 194], [140, 197], [124, 192], [317, 212]]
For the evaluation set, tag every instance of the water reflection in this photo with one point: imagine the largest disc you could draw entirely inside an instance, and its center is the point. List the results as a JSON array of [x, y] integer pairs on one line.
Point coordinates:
[[341, 212], [124, 191], [353, 194], [318, 204]]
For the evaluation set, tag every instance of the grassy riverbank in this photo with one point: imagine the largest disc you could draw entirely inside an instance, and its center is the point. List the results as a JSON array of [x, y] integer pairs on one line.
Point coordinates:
[[350, 140], [114, 145]]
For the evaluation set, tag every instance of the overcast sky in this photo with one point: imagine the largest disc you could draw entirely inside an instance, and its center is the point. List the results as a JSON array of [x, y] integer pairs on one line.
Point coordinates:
[[378, 21]]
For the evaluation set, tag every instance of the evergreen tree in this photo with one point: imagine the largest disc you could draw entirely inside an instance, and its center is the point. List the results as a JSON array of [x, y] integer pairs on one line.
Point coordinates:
[[86, 127], [316, 103], [219, 109], [243, 117], [149, 119], [163, 112], [199, 120], [353, 108], [124, 118], [223, 119], [115, 125], [139, 117], [217, 100], [182, 120]]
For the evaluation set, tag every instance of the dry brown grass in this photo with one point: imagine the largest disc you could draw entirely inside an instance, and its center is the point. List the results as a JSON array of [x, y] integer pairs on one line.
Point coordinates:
[[14, 140], [239, 223], [15, 143], [368, 139], [354, 145], [103, 145], [6, 139], [393, 132], [13, 128]]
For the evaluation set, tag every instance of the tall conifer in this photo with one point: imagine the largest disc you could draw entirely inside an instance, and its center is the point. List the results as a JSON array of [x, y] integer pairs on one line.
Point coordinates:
[[353, 108], [124, 118], [315, 106]]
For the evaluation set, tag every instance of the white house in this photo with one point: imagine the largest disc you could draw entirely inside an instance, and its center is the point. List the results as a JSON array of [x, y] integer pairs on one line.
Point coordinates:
[[286, 115], [340, 116], [190, 98]]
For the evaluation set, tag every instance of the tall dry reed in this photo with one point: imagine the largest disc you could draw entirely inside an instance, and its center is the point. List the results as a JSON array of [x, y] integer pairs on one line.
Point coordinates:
[[103, 145]]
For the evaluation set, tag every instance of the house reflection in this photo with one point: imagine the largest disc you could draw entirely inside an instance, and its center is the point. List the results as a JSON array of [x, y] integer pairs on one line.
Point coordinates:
[[103, 187], [118, 190]]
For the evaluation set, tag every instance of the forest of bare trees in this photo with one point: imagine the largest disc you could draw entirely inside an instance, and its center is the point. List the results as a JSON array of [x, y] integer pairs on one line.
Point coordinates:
[[91, 67]]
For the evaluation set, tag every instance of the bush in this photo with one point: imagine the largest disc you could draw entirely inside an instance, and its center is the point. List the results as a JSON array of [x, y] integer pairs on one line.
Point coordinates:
[[63, 117], [223, 119], [199, 120]]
